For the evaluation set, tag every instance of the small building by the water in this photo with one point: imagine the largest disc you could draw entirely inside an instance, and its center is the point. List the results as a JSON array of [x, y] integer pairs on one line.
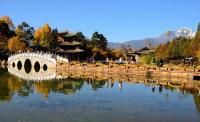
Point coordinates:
[[136, 53], [144, 50]]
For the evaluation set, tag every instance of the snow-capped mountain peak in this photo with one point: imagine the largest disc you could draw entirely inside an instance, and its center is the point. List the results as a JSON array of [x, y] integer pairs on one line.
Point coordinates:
[[185, 32]]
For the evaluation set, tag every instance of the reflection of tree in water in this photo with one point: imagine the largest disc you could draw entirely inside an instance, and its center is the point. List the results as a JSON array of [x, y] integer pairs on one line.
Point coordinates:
[[185, 92], [67, 86], [172, 89], [23, 88], [26, 89], [196, 96], [97, 84], [5, 91], [9, 85], [197, 101], [193, 92], [71, 85], [160, 88], [45, 87]]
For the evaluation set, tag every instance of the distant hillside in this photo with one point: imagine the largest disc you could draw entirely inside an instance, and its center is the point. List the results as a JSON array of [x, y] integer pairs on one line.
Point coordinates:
[[167, 36]]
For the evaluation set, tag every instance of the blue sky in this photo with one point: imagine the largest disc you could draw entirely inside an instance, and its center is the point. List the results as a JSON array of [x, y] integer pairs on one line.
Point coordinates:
[[118, 20]]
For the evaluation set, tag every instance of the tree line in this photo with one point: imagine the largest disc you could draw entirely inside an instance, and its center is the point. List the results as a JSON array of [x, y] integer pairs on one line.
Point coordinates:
[[180, 48], [22, 37]]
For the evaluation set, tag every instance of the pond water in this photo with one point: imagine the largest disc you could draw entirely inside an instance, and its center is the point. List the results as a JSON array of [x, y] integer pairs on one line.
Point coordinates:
[[89, 100]]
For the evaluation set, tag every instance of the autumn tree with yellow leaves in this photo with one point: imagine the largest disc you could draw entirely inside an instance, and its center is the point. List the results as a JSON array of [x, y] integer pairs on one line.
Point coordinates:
[[16, 45], [43, 36], [117, 53], [8, 20]]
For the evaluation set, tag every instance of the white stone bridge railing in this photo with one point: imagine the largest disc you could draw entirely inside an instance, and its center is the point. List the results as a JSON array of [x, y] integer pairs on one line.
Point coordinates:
[[45, 56], [52, 58], [60, 58]]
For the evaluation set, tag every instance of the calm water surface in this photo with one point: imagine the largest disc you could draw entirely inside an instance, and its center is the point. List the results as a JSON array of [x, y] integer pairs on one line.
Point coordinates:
[[82, 100]]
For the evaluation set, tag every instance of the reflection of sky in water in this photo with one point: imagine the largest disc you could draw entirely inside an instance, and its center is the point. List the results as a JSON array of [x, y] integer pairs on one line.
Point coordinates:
[[78, 100]]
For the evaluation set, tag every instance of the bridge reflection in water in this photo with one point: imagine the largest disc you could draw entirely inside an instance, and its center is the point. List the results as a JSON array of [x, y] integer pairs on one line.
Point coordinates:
[[40, 75]]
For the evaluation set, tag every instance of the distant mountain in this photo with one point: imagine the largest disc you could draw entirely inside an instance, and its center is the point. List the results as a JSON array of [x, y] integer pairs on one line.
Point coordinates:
[[167, 36]]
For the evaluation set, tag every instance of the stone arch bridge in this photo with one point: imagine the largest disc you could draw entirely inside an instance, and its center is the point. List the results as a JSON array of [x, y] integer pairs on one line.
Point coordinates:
[[34, 65]]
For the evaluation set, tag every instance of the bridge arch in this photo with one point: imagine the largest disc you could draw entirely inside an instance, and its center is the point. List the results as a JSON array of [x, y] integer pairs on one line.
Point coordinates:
[[13, 64], [45, 67], [37, 66], [19, 65], [27, 66]]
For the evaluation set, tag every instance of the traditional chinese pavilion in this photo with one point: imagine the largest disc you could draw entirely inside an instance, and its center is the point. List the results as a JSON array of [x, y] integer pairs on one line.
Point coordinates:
[[68, 46]]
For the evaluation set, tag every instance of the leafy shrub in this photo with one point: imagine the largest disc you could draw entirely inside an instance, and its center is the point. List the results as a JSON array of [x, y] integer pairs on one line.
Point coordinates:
[[147, 59]]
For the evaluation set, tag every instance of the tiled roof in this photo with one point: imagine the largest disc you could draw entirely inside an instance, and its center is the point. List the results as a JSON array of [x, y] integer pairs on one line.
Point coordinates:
[[70, 43]]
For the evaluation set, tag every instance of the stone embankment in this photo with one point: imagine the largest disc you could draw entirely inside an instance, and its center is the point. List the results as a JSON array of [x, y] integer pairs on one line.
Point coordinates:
[[131, 69]]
